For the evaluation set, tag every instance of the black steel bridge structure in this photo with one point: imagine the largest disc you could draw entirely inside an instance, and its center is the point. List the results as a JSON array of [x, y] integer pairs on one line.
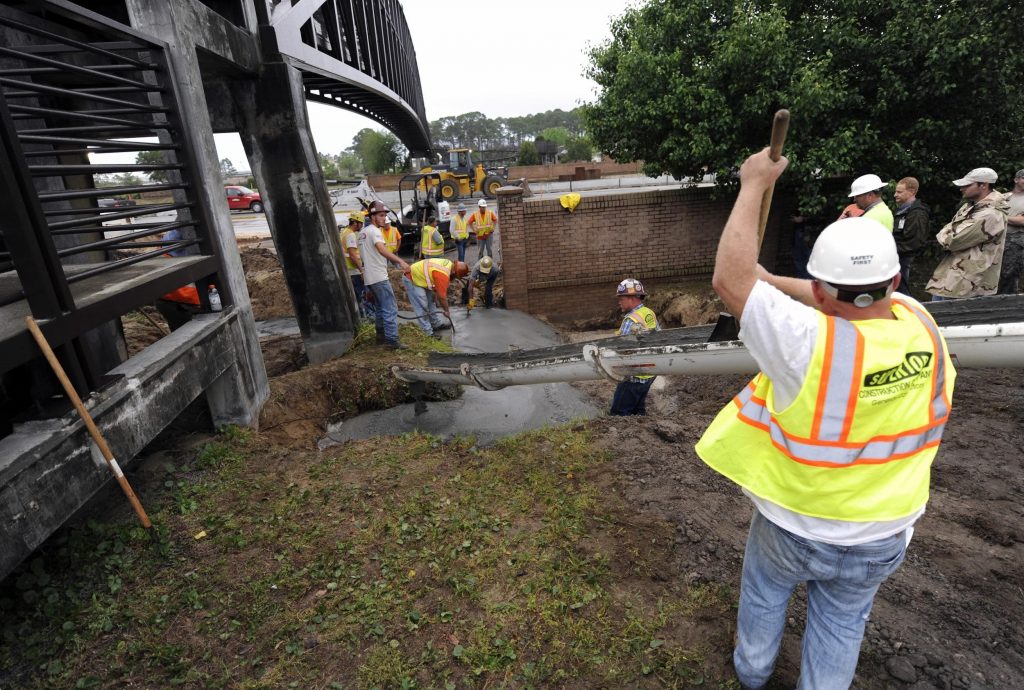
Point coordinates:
[[91, 232]]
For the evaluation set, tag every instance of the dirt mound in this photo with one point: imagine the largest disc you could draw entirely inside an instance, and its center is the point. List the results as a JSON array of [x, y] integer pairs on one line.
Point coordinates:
[[267, 289], [686, 305]]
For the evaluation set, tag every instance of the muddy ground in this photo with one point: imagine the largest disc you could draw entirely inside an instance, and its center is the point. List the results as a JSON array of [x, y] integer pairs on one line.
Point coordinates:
[[951, 617]]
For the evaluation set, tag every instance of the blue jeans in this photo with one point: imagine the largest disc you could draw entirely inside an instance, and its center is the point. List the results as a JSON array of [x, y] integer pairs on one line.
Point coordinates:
[[631, 397], [366, 310], [841, 585], [484, 247], [385, 318], [422, 301], [461, 246]]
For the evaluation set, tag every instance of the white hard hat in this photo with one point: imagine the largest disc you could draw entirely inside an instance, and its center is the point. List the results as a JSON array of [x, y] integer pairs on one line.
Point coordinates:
[[482, 202], [485, 264], [865, 184], [854, 252]]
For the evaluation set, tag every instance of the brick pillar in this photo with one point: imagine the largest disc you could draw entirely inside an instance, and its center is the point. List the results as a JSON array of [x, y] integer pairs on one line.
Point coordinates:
[[512, 226]]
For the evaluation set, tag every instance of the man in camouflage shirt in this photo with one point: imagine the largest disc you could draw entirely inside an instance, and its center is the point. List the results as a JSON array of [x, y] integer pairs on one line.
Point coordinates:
[[1013, 252], [973, 240]]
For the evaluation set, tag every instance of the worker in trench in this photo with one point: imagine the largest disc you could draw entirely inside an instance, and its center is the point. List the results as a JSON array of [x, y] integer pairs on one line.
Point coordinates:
[[481, 278], [833, 440], [630, 397]]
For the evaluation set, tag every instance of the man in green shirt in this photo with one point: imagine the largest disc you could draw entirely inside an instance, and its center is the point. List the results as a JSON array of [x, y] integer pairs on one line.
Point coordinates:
[[866, 193]]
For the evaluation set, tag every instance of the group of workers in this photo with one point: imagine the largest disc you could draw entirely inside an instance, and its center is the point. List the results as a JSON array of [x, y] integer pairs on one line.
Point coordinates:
[[370, 245], [983, 245]]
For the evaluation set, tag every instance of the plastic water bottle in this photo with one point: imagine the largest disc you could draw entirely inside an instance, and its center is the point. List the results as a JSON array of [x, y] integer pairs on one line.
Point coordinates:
[[215, 304]]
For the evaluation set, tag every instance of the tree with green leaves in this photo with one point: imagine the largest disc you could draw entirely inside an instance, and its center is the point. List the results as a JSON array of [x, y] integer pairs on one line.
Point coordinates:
[[227, 168], [153, 158], [579, 149], [528, 154], [379, 151], [328, 165], [928, 88]]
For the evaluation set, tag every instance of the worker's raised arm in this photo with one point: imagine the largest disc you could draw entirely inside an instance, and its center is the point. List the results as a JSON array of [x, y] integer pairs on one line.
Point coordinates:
[[736, 261]]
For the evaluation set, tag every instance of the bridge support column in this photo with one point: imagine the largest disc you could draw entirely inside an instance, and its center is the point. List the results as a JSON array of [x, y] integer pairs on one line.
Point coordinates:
[[274, 125], [236, 398]]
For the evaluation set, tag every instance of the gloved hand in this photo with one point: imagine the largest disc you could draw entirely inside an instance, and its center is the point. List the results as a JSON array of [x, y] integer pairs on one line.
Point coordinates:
[[368, 295], [472, 303]]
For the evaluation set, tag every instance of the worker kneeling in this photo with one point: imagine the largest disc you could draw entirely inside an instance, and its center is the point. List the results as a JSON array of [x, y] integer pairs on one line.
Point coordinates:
[[833, 440], [426, 285]]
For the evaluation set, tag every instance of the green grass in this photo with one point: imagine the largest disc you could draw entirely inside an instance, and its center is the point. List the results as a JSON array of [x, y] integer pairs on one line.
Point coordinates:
[[393, 563]]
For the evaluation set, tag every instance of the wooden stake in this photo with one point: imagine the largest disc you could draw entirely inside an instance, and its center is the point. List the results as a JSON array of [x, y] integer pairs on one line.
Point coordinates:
[[780, 126], [33, 327]]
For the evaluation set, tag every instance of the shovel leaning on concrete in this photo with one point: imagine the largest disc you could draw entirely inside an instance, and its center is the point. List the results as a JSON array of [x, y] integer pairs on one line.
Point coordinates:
[[33, 327]]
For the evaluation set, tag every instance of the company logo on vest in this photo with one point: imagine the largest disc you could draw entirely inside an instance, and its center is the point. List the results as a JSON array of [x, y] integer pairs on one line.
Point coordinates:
[[915, 364]]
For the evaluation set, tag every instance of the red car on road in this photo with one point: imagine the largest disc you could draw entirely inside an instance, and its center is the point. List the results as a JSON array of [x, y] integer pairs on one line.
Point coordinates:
[[243, 199]]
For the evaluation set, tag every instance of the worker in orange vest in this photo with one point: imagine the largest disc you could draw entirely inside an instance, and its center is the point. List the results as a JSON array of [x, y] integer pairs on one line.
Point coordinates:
[[484, 222]]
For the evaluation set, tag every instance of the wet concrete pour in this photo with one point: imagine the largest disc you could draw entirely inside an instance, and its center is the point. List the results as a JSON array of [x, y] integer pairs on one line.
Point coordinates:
[[487, 415]]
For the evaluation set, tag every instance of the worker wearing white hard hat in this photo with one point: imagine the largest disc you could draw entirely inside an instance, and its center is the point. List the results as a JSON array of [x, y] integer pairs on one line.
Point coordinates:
[[833, 440], [481, 277], [460, 230], [866, 192], [484, 222], [630, 397]]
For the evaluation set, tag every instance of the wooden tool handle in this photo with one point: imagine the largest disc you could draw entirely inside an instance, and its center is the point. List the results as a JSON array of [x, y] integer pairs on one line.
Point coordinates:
[[780, 127], [101, 443]]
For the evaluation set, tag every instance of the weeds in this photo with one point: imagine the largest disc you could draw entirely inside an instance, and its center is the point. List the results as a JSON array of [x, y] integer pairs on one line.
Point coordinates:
[[396, 563]]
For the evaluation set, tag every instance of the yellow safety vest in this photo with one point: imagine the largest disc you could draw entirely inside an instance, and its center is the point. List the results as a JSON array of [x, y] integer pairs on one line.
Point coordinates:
[[880, 213], [645, 318], [349, 263], [419, 272], [484, 225], [459, 223], [858, 441], [427, 246], [392, 238]]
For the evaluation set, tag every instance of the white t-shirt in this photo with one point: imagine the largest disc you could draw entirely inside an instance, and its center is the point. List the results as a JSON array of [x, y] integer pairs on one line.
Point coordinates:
[[780, 333], [351, 241], [375, 266]]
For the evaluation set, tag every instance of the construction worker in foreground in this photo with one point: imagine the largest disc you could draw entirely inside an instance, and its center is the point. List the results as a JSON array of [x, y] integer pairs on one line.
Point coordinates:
[[484, 222], [431, 241], [353, 264], [426, 284], [630, 396], [833, 440], [376, 257], [866, 192], [481, 277]]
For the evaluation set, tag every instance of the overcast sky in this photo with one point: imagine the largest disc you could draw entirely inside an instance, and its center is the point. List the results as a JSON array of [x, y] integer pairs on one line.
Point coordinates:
[[537, 47]]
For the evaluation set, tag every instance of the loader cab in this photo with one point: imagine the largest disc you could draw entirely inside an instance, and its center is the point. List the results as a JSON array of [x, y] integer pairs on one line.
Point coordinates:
[[460, 161]]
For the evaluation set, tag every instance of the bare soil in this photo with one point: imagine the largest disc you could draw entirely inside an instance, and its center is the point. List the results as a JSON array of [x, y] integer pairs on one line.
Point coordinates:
[[951, 616]]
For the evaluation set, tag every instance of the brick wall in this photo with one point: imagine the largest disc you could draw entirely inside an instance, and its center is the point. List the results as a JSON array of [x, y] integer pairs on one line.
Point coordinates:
[[566, 265]]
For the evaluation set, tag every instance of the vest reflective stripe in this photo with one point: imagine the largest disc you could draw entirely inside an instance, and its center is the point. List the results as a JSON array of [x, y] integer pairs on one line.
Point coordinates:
[[484, 226], [639, 315], [461, 226], [828, 444], [420, 271], [392, 238], [427, 246], [349, 263]]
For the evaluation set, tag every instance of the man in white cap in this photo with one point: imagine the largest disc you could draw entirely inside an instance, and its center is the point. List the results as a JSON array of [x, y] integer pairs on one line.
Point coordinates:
[[866, 193], [973, 240], [484, 272], [484, 222], [1013, 252]]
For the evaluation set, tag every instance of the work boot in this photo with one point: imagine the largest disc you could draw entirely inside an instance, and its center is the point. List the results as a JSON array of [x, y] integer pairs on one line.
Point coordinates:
[[395, 345], [442, 326], [380, 338]]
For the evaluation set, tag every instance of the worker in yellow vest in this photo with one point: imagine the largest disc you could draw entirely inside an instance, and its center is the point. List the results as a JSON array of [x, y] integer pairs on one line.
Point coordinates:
[[426, 285], [833, 440], [630, 396], [866, 192], [353, 264], [392, 236], [431, 241], [484, 222], [460, 231]]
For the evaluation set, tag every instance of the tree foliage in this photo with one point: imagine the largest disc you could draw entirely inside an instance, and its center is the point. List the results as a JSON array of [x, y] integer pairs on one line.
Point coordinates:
[[579, 149], [379, 151], [153, 158], [476, 131], [528, 154], [227, 168], [928, 88]]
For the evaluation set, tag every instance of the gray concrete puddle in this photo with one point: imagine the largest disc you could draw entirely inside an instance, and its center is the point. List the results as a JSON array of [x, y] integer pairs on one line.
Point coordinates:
[[487, 415]]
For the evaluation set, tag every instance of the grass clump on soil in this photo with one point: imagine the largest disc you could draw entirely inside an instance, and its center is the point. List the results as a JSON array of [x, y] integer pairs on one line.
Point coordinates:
[[397, 562]]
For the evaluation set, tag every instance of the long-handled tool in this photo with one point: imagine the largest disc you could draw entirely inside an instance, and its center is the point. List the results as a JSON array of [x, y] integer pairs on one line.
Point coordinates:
[[33, 327], [780, 126]]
